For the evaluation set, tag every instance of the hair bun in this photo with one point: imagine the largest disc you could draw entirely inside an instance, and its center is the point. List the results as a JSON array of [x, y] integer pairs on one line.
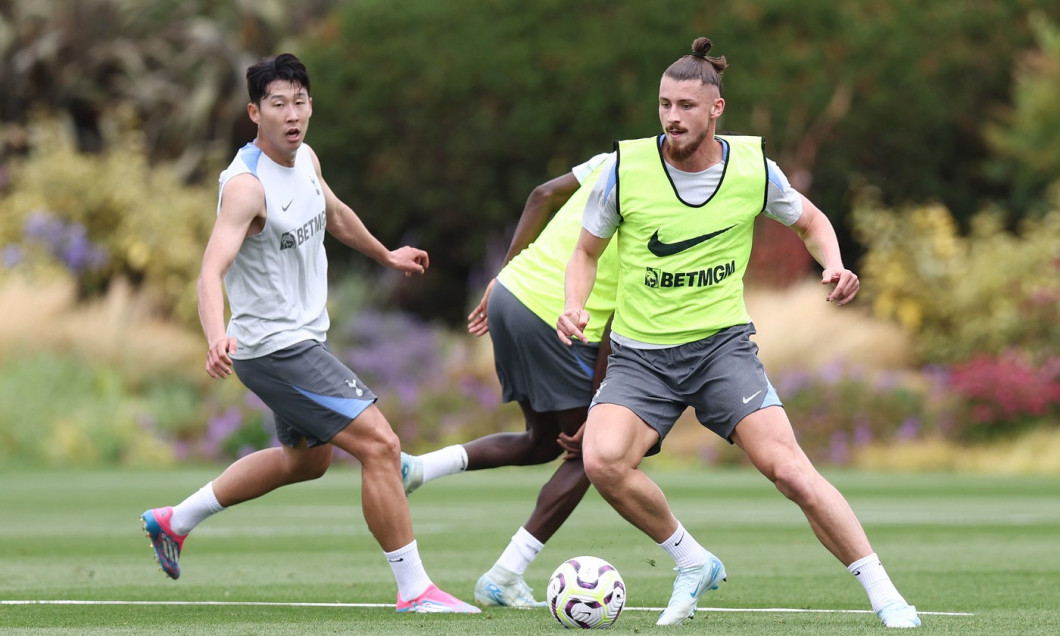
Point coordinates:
[[700, 47]]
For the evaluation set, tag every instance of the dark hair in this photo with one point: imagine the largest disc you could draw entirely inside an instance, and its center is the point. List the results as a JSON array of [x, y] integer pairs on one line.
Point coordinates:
[[278, 67], [697, 65]]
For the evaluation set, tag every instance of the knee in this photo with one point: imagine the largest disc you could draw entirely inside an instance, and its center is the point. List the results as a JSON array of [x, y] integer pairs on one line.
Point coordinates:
[[796, 482], [372, 439], [530, 447], [385, 444], [541, 449], [602, 472]]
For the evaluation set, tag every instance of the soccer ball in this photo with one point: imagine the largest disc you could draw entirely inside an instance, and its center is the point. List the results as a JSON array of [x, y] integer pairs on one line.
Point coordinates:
[[586, 592]]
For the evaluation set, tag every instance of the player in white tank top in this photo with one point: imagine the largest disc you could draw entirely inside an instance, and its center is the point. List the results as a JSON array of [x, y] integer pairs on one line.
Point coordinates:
[[267, 246]]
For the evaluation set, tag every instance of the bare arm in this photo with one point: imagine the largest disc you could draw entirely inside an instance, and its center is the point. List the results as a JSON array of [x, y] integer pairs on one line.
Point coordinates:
[[817, 233], [581, 275], [344, 224], [542, 203], [242, 204]]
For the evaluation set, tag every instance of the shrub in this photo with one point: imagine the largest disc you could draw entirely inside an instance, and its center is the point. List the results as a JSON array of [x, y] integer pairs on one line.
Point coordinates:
[[836, 409], [1005, 394], [106, 216], [104, 419], [962, 295], [105, 382]]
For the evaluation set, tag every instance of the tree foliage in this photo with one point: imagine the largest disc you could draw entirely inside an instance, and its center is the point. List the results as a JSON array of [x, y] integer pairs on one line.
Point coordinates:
[[178, 64], [436, 119], [1025, 136]]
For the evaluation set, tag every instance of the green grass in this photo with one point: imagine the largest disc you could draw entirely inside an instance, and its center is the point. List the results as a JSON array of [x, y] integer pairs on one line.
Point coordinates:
[[963, 544]]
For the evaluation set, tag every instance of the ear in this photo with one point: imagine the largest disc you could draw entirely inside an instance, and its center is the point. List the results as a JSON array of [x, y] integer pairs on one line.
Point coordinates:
[[255, 114], [718, 108]]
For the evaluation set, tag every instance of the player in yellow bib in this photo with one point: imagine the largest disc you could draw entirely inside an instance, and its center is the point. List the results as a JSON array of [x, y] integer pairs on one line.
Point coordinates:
[[682, 206], [552, 384]]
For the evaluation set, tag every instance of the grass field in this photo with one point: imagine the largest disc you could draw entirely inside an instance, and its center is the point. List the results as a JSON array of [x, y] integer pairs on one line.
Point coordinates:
[[976, 554]]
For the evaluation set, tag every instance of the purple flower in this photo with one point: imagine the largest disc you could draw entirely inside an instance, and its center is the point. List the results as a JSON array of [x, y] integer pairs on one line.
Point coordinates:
[[909, 429], [793, 382], [708, 454], [831, 373], [43, 227], [839, 449], [12, 255], [886, 381], [221, 427], [66, 242], [181, 449], [394, 353], [863, 431], [78, 253], [253, 401]]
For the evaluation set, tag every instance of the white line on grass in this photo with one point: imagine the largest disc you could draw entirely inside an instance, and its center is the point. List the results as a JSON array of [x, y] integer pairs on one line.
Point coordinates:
[[765, 610]]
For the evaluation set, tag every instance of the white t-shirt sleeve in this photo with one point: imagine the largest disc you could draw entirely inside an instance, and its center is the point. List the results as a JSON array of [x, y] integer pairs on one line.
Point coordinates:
[[783, 202], [583, 170], [601, 217]]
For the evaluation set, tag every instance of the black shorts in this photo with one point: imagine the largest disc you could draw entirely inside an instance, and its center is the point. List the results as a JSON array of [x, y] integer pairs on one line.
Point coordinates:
[[533, 366], [312, 394]]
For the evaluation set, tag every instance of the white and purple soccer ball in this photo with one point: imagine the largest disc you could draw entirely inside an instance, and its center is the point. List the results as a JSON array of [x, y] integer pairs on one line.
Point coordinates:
[[586, 592]]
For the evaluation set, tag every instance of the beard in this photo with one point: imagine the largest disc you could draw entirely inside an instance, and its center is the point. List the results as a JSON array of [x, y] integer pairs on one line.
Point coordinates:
[[680, 153]]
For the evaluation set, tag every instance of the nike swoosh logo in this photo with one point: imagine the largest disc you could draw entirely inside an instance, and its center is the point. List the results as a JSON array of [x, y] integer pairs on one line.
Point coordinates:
[[751, 397], [657, 247], [288, 205]]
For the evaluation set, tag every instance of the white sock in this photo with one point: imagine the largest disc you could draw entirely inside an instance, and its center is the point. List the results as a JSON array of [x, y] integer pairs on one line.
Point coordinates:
[[412, 579], [870, 573], [194, 510], [684, 548], [444, 461], [520, 552]]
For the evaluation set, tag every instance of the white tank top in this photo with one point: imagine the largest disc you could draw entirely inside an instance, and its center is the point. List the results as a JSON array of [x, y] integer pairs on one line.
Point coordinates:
[[277, 285]]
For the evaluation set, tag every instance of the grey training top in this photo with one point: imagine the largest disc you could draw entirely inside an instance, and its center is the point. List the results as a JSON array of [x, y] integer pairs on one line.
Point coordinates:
[[277, 285]]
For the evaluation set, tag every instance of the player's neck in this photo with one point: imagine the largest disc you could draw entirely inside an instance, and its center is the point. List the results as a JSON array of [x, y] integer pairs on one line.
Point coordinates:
[[282, 157]]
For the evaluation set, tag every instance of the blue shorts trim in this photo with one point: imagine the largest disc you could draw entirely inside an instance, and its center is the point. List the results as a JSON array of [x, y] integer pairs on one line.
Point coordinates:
[[350, 407]]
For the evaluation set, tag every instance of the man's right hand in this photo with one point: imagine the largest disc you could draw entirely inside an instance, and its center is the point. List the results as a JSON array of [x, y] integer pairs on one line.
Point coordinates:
[[570, 325], [572, 443], [218, 360]]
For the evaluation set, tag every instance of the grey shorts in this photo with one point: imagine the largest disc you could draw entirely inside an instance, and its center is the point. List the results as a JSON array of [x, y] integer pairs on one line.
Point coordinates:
[[533, 366], [311, 393], [720, 377]]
